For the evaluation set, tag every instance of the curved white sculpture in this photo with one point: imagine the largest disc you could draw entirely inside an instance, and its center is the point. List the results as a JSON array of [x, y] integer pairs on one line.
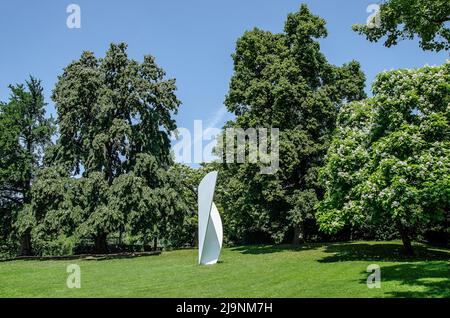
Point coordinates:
[[210, 233]]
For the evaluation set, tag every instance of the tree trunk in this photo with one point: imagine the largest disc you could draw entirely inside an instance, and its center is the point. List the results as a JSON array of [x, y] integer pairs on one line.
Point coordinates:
[[447, 226], [26, 249], [100, 244], [196, 239], [406, 240], [299, 234], [109, 164], [155, 243]]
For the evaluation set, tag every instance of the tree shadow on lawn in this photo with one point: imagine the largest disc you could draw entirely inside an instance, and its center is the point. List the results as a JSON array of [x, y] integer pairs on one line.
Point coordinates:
[[381, 252], [85, 257], [266, 249], [413, 271], [416, 275], [432, 279], [347, 251]]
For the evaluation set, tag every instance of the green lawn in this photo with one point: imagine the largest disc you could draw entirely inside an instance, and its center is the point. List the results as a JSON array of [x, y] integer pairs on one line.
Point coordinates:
[[313, 270]]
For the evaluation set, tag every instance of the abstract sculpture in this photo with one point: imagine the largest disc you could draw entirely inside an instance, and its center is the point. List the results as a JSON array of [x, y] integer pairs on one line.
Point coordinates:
[[210, 233]]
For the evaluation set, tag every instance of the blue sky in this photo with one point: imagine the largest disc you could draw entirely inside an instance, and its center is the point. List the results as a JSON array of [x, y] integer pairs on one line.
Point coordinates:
[[191, 39]]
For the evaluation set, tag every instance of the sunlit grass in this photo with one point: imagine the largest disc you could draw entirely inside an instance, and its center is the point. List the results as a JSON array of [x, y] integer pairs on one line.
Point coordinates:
[[313, 270]]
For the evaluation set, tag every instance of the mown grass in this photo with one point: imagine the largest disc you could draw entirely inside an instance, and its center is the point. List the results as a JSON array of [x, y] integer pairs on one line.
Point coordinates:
[[311, 270]]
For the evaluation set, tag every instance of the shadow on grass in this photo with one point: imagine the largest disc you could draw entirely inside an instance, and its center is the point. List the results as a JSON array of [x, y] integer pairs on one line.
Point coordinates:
[[381, 252], [266, 249], [423, 279], [339, 252], [86, 257], [420, 276], [424, 274]]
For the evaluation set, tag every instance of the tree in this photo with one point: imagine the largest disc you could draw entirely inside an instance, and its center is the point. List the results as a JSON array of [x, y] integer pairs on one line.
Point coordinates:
[[390, 156], [181, 228], [25, 133], [283, 81], [403, 19], [166, 212], [113, 113], [56, 207]]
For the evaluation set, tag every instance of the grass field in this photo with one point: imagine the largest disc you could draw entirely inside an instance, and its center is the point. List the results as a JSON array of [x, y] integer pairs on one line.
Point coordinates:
[[313, 270]]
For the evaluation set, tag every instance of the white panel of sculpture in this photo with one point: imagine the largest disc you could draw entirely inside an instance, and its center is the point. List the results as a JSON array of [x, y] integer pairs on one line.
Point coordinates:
[[210, 232]]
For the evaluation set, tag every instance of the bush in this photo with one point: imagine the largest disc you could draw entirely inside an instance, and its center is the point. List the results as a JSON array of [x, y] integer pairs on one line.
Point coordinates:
[[60, 246]]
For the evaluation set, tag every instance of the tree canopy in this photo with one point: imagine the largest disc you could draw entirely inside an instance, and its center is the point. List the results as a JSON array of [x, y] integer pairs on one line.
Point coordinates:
[[404, 19], [114, 117], [390, 156], [25, 133], [283, 81]]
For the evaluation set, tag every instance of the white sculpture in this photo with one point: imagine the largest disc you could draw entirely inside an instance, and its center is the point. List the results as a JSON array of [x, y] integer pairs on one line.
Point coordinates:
[[210, 233]]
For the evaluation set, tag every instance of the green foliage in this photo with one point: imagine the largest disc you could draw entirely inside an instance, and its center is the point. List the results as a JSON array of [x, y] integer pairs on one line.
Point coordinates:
[[114, 117], [377, 166], [180, 229], [390, 156], [60, 245], [283, 81], [112, 109], [404, 19], [24, 135], [54, 209]]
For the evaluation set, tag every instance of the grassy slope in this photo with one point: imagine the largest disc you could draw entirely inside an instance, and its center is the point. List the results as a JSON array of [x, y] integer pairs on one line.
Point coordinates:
[[316, 270]]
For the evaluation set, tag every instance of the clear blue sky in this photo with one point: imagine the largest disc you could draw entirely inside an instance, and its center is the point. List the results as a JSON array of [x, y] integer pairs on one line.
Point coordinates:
[[191, 39]]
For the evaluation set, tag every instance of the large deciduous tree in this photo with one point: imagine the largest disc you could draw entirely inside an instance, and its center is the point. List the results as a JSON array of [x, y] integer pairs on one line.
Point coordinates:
[[24, 134], [404, 19], [390, 157], [283, 81], [114, 117]]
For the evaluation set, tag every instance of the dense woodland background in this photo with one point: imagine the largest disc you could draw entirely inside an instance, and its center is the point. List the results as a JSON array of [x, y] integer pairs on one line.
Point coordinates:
[[101, 177]]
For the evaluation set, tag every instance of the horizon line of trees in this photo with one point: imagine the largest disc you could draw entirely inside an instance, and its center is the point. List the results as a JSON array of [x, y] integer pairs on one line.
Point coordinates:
[[351, 167]]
